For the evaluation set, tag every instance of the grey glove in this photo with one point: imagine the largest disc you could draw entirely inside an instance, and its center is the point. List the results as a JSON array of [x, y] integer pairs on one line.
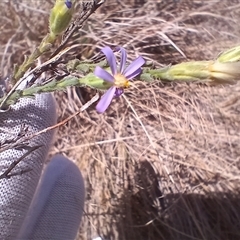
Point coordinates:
[[54, 210]]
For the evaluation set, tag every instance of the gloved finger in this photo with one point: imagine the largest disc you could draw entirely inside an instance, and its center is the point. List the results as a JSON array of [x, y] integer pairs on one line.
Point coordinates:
[[57, 207], [17, 191]]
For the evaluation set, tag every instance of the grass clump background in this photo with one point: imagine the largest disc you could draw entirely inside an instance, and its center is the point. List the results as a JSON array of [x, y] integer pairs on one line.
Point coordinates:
[[164, 162]]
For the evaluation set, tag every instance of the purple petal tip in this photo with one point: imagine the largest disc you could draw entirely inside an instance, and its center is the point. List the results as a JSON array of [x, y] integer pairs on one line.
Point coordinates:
[[105, 100], [108, 52], [68, 4]]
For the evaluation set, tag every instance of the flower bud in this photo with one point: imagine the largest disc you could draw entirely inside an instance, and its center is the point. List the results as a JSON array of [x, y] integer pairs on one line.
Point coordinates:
[[231, 55], [60, 16], [225, 72]]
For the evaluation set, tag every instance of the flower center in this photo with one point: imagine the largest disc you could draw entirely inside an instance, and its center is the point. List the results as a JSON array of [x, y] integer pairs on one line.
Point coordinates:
[[121, 81]]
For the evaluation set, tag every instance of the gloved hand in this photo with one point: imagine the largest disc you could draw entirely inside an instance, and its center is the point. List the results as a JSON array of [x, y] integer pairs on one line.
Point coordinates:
[[51, 209]]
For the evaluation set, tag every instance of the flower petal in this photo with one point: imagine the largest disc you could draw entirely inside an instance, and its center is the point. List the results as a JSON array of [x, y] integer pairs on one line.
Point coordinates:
[[111, 59], [103, 74], [118, 92], [123, 59], [133, 67], [105, 100], [134, 74], [68, 4]]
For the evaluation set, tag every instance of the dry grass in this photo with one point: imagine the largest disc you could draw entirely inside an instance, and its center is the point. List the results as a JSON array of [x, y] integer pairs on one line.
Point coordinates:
[[164, 162]]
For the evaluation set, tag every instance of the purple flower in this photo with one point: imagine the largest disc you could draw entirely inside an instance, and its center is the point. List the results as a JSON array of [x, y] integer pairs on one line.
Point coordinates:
[[68, 3], [119, 78]]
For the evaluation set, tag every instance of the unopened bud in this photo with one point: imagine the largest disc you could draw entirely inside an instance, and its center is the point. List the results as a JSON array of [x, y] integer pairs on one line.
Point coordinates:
[[227, 71], [231, 55], [60, 16]]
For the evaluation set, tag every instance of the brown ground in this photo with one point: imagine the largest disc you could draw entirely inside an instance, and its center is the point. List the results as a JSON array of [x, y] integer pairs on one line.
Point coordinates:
[[164, 163]]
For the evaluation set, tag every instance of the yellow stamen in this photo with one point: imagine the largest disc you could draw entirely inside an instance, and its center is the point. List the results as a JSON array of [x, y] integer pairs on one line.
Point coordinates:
[[121, 81]]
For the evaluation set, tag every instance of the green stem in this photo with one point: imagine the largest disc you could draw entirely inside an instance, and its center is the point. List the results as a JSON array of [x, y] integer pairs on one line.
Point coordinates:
[[215, 71], [44, 46], [90, 80]]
